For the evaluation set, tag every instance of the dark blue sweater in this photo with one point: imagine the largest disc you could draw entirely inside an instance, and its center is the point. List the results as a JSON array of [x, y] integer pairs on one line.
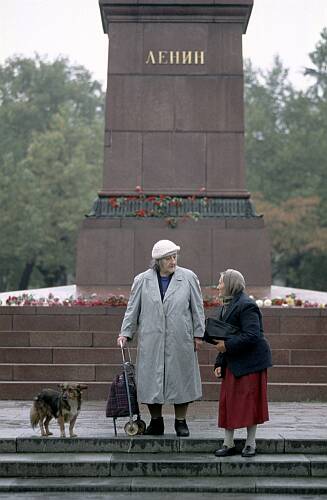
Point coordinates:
[[249, 351]]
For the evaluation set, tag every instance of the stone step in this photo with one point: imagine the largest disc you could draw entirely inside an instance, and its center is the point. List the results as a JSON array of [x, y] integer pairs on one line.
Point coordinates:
[[160, 444], [299, 357], [112, 355], [278, 391], [62, 355], [184, 486], [26, 390], [61, 319], [278, 374], [294, 341], [59, 339], [298, 374], [276, 319], [106, 373], [108, 339], [159, 465]]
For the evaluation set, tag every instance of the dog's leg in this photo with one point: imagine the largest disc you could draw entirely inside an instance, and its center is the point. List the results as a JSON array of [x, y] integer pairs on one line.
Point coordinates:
[[46, 425], [71, 427], [43, 433], [61, 423]]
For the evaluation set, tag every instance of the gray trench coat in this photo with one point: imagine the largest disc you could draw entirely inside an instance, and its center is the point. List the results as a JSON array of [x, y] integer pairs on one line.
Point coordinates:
[[167, 369]]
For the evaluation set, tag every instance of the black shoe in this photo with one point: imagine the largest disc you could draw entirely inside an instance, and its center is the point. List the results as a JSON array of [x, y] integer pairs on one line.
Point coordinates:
[[248, 452], [181, 428], [225, 451], [156, 427]]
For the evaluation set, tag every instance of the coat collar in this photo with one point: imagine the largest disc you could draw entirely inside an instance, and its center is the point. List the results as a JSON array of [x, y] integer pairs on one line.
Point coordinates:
[[173, 285], [232, 305], [151, 275]]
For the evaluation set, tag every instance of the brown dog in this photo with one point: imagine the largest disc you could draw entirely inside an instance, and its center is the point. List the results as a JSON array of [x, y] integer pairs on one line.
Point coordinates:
[[64, 406]]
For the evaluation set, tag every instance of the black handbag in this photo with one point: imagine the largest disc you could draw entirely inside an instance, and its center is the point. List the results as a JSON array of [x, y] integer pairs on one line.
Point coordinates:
[[218, 330]]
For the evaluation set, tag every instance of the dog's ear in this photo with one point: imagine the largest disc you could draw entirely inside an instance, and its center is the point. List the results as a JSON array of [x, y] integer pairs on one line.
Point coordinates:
[[82, 387]]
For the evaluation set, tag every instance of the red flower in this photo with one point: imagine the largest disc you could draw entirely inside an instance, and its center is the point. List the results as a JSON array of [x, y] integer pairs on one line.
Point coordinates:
[[113, 202], [140, 213]]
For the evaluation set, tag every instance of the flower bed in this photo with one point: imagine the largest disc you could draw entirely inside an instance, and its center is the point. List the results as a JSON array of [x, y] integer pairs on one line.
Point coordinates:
[[121, 301]]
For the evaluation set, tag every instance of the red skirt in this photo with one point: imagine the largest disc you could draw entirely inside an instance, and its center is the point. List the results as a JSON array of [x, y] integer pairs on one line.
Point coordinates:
[[243, 400]]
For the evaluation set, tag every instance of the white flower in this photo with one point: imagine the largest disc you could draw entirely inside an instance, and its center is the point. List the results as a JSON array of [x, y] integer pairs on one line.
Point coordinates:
[[267, 303], [259, 302]]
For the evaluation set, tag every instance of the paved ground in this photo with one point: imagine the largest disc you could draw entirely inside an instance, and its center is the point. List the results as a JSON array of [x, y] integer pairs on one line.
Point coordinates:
[[287, 420]]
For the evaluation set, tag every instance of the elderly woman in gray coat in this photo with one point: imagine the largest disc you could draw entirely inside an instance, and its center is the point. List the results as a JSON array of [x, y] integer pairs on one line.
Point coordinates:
[[166, 308]]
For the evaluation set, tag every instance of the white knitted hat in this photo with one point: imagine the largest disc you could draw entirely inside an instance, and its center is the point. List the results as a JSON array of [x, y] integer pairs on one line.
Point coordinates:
[[163, 248]]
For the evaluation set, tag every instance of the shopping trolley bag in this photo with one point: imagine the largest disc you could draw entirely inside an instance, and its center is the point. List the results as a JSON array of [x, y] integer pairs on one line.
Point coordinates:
[[122, 399]]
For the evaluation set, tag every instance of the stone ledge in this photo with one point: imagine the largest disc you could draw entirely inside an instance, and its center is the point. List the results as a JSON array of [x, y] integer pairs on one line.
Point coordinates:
[[140, 445]]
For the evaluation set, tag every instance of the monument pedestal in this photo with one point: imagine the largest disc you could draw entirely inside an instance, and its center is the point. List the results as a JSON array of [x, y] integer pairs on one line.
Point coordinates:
[[174, 145], [112, 251]]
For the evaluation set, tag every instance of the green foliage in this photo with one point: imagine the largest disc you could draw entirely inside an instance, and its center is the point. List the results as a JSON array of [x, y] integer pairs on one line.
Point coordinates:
[[51, 131], [286, 154]]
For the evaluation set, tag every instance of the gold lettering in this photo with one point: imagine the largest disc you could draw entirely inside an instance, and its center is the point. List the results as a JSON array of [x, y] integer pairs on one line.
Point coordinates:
[[163, 57], [187, 57], [150, 59], [174, 55], [199, 56]]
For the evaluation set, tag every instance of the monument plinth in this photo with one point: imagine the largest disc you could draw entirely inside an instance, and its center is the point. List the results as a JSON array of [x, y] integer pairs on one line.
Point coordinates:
[[174, 145]]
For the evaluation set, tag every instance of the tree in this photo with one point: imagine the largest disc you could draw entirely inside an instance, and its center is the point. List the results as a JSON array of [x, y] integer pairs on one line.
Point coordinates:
[[51, 128], [319, 70], [299, 242], [286, 155]]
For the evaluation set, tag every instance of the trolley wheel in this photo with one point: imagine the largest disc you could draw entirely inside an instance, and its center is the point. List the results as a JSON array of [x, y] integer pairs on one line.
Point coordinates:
[[131, 428], [141, 425]]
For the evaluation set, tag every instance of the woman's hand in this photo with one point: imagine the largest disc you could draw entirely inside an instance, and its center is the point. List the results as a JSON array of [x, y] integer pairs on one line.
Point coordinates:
[[218, 371], [197, 343], [220, 346], [121, 341]]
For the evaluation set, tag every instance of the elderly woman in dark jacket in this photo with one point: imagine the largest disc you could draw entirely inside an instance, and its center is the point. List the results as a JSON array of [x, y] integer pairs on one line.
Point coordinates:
[[242, 363]]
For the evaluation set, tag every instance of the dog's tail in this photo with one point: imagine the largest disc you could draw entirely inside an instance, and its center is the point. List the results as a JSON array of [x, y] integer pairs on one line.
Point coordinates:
[[34, 414]]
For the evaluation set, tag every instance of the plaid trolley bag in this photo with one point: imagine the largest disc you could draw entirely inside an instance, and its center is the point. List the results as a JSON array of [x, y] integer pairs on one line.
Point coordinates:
[[122, 399]]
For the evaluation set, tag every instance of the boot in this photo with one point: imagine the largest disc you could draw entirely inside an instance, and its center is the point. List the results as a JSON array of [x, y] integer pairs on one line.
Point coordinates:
[[181, 428], [156, 427]]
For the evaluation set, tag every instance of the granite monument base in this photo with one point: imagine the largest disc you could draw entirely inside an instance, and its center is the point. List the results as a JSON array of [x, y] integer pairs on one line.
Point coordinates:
[[112, 251]]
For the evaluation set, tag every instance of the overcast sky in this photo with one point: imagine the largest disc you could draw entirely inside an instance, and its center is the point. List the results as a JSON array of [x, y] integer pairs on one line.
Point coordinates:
[[290, 28]]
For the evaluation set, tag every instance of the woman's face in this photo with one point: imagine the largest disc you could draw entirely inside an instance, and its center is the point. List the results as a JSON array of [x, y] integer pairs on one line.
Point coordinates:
[[168, 264], [221, 287]]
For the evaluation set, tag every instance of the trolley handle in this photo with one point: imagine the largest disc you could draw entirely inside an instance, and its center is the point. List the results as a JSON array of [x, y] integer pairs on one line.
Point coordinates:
[[123, 353]]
